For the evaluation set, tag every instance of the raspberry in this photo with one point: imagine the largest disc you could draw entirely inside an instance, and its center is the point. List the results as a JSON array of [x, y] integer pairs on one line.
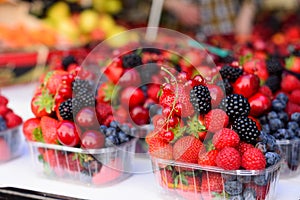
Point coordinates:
[[229, 159], [215, 120], [253, 159], [243, 147], [208, 158], [225, 138]]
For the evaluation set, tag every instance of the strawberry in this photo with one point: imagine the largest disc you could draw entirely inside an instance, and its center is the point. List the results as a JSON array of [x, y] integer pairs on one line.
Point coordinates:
[[229, 159], [289, 83], [3, 100], [208, 158], [211, 183], [196, 127], [293, 64], [108, 173], [103, 110], [292, 108], [186, 149], [243, 147], [42, 104], [167, 179], [106, 92], [114, 70], [295, 96], [53, 80], [4, 110], [4, 150], [50, 158], [216, 93], [160, 149], [12, 120], [253, 159], [225, 138], [215, 120], [29, 126], [48, 126]]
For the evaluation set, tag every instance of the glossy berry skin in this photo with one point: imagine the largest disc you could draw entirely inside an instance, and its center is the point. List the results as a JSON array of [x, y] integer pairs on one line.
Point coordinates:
[[129, 78], [86, 117], [167, 136], [132, 97], [92, 139], [67, 133], [139, 115], [246, 85], [259, 104]]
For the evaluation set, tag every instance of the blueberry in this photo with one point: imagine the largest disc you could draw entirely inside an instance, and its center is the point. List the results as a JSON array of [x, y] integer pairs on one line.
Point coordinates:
[[272, 115], [236, 197], [111, 131], [261, 146], [290, 134], [233, 187], [266, 128], [111, 141], [2, 124], [275, 124], [297, 132], [114, 124], [261, 180], [282, 97], [144, 88], [103, 129], [278, 105], [95, 166], [283, 116], [292, 125], [125, 128], [123, 137], [271, 143], [263, 119], [272, 158], [85, 176], [296, 117], [263, 137], [229, 177], [280, 133], [249, 194], [244, 179]]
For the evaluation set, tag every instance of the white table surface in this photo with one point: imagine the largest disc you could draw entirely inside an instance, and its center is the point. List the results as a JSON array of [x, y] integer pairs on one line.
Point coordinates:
[[20, 173]]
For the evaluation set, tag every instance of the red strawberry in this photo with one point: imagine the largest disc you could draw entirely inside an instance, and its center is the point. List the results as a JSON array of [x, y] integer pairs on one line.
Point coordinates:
[[50, 157], [243, 147], [12, 120], [186, 149], [3, 100], [289, 83], [253, 159], [103, 110], [48, 126], [229, 159], [258, 67], [265, 90], [215, 120], [4, 110], [160, 149], [72, 162], [292, 108], [208, 158], [42, 104], [246, 85], [4, 150], [295, 97], [105, 92], [211, 183], [166, 178], [216, 93], [29, 126], [259, 104], [152, 92], [114, 70], [293, 64], [225, 138], [53, 80], [108, 173]]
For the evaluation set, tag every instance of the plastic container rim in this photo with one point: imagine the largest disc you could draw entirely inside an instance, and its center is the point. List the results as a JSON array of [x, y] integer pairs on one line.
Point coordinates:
[[286, 142]]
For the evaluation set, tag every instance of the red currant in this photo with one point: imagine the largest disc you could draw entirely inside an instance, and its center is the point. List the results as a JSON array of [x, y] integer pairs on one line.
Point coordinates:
[[167, 88], [167, 111], [178, 109], [173, 121], [198, 80], [167, 135], [67, 133]]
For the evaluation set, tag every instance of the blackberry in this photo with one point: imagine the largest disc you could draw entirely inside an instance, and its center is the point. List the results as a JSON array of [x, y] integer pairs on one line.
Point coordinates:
[[235, 105], [201, 99], [247, 129], [274, 66], [68, 60], [230, 73], [131, 60], [2, 124], [226, 85], [233, 187], [81, 87], [228, 59], [273, 82], [66, 109], [147, 71], [83, 101]]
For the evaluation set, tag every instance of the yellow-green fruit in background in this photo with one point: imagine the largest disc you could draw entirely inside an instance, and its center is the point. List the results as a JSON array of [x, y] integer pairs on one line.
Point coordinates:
[[68, 28], [113, 6], [88, 20], [59, 11], [106, 23], [99, 5]]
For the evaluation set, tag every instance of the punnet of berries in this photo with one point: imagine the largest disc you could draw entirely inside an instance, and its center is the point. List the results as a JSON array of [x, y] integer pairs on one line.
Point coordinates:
[[11, 138], [208, 142]]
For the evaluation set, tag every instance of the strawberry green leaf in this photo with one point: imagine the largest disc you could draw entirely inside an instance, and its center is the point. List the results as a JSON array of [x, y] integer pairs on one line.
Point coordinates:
[[289, 62], [195, 126], [45, 101], [37, 134], [245, 58], [209, 145], [47, 77], [178, 132]]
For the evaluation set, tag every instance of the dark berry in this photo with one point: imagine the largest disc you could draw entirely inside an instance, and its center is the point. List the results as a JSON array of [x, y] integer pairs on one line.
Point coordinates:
[[123, 137], [131, 60], [278, 105], [272, 115], [266, 128], [226, 85], [292, 125], [261, 180], [126, 129], [115, 125], [273, 82], [66, 109], [246, 129], [275, 124], [272, 158], [263, 120], [244, 179], [296, 117], [233, 187], [274, 66], [229, 177], [290, 134], [82, 101], [235, 106], [282, 97], [271, 143], [201, 99], [111, 131], [283, 116], [103, 129], [2, 124], [261, 146], [111, 140], [66, 61], [297, 132], [81, 87], [236, 197], [249, 194], [230, 73], [280, 134], [263, 137]]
